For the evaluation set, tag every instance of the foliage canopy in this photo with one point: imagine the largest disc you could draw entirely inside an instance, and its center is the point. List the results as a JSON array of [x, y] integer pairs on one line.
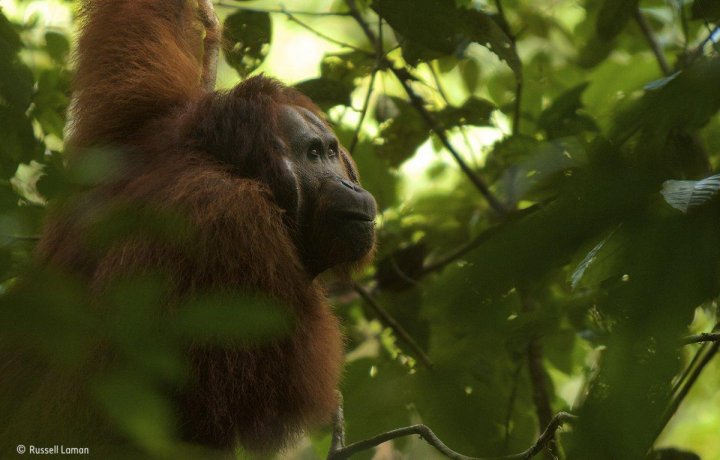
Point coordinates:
[[550, 226]]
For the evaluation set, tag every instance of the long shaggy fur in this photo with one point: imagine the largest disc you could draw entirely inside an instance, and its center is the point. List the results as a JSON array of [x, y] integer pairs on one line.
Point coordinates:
[[138, 87]]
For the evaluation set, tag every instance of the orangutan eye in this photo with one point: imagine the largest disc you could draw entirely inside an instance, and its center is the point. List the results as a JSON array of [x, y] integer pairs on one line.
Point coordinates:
[[315, 149]]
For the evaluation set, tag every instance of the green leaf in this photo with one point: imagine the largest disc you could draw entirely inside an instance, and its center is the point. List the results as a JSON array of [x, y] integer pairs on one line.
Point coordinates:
[[686, 195], [10, 42], [451, 35], [326, 93], [564, 118], [57, 46], [138, 408], [346, 67], [402, 135], [686, 102], [475, 112], [16, 83], [613, 16], [470, 73], [236, 318], [19, 144], [706, 9], [247, 36]]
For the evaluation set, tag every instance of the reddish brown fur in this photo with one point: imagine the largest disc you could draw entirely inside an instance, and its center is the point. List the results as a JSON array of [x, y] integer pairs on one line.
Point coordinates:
[[138, 86]]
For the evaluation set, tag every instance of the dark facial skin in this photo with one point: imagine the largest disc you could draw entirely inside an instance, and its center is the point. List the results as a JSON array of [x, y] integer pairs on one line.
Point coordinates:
[[335, 215]]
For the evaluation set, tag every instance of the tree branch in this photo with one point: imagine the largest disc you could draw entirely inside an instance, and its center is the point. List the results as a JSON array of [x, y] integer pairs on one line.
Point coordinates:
[[700, 338], [366, 104], [387, 319], [654, 45], [431, 438], [536, 369], [517, 111], [291, 15], [681, 389], [404, 77], [698, 50], [242, 7]]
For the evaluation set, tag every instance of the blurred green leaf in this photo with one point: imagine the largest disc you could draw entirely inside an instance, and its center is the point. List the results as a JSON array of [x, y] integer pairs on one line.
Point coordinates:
[[564, 116], [326, 93], [706, 9], [16, 80], [139, 409], [247, 36], [233, 318], [474, 111], [58, 46], [459, 27], [403, 134], [613, 16], [346, 67], [19, 143]]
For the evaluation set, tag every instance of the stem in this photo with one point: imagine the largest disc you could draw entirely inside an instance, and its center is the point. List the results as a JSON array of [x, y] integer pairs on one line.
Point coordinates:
[[387, 319], [704, 337], [517, 111], [536, 369], [431, 438], [291, 16], [654, 45], [366, 104], [511, 403], [279, 11], [701, 359]]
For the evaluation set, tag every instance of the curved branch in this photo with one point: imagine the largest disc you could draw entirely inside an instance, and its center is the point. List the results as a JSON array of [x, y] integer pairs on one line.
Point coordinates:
[[700, 338], [431, 438]]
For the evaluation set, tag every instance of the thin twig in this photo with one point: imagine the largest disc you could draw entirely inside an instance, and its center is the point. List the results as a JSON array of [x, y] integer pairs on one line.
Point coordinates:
[[442, 262], [379, 58], [363, 113], [279, 11], [404, 77], [701, 359], [291, 16], [517, 110], [536, 369], [698, 50], [511, 402], [700, 338], [419, 104], [654, 45], [685, 27], [431, 438], [438, 84], [387, 319]]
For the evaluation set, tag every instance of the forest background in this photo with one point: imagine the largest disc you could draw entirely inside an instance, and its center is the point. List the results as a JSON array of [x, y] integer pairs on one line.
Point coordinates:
[[549, 234]]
